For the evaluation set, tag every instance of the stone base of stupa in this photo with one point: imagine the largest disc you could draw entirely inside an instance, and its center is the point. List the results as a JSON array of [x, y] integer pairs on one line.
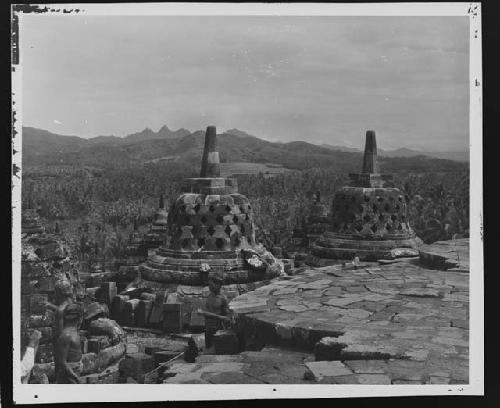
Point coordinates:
[[186, 268], [344, 246]]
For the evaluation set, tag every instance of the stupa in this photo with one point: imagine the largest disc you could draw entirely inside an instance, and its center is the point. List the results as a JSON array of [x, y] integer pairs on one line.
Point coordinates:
[[318, 220], [210, 232], [158, 232], [368, 220]]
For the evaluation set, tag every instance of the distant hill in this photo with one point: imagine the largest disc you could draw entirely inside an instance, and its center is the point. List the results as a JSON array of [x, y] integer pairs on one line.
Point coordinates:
[[404, 152], [41, 148], [163, 133]]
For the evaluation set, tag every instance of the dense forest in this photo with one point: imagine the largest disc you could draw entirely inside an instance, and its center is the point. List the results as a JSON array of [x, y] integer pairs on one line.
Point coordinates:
[[105, 204]]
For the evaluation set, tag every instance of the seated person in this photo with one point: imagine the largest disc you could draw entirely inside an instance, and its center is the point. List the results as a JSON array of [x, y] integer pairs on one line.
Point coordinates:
[[216, 304]]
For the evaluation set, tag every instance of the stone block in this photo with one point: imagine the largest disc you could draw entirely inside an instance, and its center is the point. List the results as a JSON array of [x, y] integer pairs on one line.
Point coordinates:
[[163, 356], [98, 343], [253, 306], [96, 310], [108, 292], [196, 322], [321, 369], [107, 327], [117, 307], [110, 355], [173, 317], [147, 296], [84, 344], [327, 349], [108, 376], [156, 315], [142, 313], [92, 292], [151, 350], [128, 314], [136, 365], [226, 342]]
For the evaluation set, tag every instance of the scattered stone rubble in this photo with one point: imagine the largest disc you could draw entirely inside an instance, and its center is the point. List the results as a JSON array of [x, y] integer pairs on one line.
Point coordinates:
[[44, 261]]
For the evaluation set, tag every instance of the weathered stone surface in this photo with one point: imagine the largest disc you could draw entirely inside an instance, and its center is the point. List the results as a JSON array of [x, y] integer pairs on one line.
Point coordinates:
[[446, 255], [109, 376], [399, 311], [226, 342], [95, 310], [269, 366], [136, 365], [321, 369], [163, 356], [118, 307], [107, 327], [110, 355]]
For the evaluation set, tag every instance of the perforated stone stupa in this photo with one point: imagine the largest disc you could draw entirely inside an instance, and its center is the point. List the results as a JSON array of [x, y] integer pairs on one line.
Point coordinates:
[[318, 220], [368, 220], [157, 234], [210, 231]]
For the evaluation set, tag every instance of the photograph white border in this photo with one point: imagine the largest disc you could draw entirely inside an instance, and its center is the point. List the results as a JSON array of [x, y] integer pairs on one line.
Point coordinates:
[[53, 393]]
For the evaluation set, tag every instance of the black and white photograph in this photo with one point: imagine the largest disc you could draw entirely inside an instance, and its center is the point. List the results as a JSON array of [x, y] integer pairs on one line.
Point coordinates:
[[286, 197]]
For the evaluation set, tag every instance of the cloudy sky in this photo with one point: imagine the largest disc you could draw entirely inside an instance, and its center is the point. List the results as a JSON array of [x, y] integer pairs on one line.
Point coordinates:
[[318, 79]]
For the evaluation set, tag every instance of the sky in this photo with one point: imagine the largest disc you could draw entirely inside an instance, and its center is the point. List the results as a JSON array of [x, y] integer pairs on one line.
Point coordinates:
[[318, 79]]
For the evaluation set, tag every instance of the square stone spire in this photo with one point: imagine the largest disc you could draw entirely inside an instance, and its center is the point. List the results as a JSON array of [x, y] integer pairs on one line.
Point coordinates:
[[370, 176], [210, 181]]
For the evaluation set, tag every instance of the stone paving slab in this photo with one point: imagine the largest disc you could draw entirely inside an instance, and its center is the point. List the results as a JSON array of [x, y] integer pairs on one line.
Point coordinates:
[[401, 312], [278, 366]]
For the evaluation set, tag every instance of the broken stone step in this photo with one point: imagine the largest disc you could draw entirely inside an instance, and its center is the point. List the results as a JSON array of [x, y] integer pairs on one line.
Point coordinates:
[[226, 342], [136, 365], [164, 356]]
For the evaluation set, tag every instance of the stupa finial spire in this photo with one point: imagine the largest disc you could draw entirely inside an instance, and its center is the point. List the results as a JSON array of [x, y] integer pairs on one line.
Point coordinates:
[[161, 204], [370, 163], [210, 165]]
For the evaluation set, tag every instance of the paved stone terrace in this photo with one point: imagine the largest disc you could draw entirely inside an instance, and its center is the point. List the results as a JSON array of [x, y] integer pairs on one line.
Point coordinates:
[[452, 255], [398, 322], [268, 366]]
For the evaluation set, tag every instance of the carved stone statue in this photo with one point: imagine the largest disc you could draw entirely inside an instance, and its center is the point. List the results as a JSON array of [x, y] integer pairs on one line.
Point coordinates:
[[64, 297], [68, 352]]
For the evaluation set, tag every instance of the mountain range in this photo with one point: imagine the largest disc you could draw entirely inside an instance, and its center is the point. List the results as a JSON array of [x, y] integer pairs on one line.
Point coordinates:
[[462, 156], [41, 147]]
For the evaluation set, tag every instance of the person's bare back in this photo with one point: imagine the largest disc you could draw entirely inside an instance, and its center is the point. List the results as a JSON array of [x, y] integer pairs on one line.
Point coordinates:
[[71, 339], [68, 352]]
